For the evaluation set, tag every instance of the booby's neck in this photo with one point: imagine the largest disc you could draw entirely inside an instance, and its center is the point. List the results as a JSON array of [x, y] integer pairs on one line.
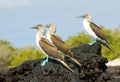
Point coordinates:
[[88, 19], [52, 30], [40, 34]]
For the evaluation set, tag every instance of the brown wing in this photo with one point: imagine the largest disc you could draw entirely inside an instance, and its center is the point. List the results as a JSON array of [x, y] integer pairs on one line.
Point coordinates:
[[98, 31], [61, 45], [57, 38], [49, 49], [47, 41]]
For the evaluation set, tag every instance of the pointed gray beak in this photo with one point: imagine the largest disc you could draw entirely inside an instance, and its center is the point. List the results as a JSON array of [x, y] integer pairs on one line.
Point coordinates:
[[80, 16], [47, 26], [35, 27]]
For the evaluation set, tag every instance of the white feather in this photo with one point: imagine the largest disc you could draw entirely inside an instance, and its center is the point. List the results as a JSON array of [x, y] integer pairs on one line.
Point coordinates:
[[88, 29], [48, 37]]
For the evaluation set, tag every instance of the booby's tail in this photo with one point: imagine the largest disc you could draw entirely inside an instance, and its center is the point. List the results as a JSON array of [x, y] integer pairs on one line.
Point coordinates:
[[105, 43], [73, 59], [71, 56], [66, 65]]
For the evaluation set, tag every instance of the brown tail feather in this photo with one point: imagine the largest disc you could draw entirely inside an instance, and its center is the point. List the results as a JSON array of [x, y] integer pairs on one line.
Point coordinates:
[[66, 65], [105, 43], [75, 61]]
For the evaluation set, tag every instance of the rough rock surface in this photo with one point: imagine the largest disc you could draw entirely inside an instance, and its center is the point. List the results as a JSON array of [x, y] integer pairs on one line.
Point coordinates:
[[93, 69]]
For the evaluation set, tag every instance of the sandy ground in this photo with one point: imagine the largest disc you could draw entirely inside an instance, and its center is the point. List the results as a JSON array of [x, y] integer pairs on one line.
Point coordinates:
[[115, 62]]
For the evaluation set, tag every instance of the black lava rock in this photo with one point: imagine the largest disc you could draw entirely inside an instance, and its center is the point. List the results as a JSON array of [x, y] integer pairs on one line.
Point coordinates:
[[93, 68]]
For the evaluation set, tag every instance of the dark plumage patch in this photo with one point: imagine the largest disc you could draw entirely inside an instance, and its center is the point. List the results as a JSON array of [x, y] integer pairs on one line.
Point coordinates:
[[98, 31]]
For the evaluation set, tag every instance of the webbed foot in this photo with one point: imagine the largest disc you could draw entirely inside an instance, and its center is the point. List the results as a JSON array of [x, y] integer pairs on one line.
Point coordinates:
[[44, 61], [93, 42]]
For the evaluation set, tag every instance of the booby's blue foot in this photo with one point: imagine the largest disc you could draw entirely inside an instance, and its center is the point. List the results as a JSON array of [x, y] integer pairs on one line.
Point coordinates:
[[93, 41], [44, 61]]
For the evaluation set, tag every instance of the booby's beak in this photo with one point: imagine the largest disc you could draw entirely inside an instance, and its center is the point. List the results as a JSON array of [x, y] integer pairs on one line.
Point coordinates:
[[47, 26], [83, 16], [35, 27]]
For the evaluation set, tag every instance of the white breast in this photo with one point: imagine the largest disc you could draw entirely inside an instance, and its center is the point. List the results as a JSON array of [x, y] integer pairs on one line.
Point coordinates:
[[37, 39], [48, 37], [88, 29], [37, 42]]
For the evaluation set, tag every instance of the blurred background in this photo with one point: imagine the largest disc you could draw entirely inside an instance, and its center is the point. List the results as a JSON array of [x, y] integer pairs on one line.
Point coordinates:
[[17, 40]]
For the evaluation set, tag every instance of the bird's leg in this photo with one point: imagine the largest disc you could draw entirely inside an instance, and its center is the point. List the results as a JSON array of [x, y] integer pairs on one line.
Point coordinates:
[[93, 41], [45, 61]]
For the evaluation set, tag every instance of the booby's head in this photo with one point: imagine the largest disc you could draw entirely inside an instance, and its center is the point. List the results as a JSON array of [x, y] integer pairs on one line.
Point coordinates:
[[39, 26], [86, 16], [52, 27], [41, 29]]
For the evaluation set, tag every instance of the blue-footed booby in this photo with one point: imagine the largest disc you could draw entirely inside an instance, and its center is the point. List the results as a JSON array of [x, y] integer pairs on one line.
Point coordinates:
[[59, 43], [47, 47], [94, 31]]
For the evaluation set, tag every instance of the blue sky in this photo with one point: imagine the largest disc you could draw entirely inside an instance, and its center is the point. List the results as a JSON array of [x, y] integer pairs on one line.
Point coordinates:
[[17, 16]]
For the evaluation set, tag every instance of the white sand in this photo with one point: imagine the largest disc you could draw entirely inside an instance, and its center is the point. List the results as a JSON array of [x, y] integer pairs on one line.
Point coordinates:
[[115, 62]]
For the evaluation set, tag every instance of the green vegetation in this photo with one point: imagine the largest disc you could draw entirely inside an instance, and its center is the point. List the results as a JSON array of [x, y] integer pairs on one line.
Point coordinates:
[[6, 51], [26, 53], [11, 56], [81, 38]]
